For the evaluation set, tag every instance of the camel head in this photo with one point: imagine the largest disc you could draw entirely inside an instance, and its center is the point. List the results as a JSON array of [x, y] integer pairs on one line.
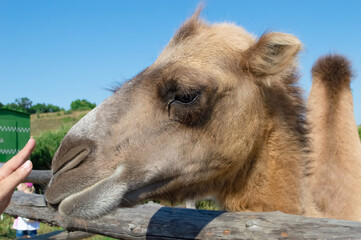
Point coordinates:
[[185, 126]]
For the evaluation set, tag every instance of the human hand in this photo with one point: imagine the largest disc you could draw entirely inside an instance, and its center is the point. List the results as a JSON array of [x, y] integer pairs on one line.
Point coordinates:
[[14, 172]]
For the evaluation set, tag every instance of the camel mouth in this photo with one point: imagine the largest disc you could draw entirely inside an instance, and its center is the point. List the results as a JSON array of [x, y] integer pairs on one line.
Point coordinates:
[[84, 203], [136, 195], [72, 162], [120, 197]]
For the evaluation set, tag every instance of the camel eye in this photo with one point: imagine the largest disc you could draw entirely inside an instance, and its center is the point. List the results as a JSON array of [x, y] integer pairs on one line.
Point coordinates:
[[186, 98], [187, 107]]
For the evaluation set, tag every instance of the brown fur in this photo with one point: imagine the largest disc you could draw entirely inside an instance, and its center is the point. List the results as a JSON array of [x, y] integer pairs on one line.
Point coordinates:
[[334, 71], [219, 112]]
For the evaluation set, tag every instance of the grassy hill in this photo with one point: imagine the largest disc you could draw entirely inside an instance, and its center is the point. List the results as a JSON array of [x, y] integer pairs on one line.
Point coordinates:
[[52, 121]]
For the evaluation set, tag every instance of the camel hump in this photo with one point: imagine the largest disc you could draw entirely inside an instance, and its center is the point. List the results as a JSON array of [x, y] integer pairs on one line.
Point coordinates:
[[333, 70]]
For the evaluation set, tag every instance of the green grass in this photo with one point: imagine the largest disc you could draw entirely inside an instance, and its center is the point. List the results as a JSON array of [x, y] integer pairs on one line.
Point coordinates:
[[207, 205], [6, 230], [8, 233], [44, 122], [45, 228]]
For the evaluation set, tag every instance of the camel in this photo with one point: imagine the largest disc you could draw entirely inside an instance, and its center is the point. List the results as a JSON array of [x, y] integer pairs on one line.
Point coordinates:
[[218, 113]]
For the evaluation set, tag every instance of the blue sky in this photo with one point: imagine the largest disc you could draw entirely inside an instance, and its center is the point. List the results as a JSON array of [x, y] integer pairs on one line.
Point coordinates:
[[58, 51]]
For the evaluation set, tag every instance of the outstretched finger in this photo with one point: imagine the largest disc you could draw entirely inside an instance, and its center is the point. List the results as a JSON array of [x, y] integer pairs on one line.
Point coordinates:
[[9, 183], [10, 166]]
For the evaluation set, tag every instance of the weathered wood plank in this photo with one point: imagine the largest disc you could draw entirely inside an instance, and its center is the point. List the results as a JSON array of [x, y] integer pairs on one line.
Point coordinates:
[[26, 199], [153, 221], [62, 235], [39, 176]]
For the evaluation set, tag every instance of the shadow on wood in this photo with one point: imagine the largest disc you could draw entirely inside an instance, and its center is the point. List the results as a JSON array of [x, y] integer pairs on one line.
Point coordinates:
[[169, 221]]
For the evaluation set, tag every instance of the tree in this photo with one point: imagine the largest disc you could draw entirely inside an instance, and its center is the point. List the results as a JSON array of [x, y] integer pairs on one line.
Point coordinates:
[[13, 106], [24, 104], [45, 108], [82, 104], [1, 105], [21, 104]]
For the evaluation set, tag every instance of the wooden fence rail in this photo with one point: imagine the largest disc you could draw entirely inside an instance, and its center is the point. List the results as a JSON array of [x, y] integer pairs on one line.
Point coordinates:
[[153, 221], [39, 176]]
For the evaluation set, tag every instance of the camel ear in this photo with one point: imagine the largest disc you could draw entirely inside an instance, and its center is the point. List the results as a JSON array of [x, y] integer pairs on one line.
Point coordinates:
[[190, 26], [271, 54]]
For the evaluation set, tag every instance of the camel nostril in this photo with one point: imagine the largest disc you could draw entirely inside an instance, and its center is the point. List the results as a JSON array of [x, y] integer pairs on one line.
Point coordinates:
[[72, 161], [71, 152]]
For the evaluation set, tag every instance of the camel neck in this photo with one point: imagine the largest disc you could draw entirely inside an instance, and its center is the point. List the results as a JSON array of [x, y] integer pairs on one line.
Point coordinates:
[[271, 180]]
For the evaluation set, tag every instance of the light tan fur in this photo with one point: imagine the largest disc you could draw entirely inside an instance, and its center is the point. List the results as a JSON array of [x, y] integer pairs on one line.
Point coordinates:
[[219, 112], [336, 149]]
